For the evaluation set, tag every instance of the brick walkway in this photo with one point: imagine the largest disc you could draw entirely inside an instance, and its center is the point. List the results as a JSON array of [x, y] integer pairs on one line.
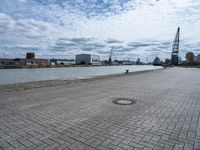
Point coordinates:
[[82, 116]]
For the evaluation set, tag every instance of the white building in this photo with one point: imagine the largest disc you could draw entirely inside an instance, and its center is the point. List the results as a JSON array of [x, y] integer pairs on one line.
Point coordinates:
[[127, 62], [88, 59]]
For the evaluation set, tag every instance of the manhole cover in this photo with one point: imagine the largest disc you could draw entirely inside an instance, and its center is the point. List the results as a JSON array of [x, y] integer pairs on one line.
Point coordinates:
[[124, 101]]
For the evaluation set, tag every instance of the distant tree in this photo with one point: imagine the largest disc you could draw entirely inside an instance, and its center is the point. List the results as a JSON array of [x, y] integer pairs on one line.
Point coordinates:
[[167, 61], [138, 62], [190, 57]]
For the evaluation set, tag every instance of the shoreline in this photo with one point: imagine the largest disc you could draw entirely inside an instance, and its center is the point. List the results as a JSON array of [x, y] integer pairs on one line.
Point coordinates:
[[52, 83], [43, 67]]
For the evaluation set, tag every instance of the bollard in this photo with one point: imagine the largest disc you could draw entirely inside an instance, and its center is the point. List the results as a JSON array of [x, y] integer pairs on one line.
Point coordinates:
[[126, 71]]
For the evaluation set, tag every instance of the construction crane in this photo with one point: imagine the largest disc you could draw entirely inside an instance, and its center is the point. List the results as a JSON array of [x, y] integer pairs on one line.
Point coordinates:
[[175, 48], [110, 57]]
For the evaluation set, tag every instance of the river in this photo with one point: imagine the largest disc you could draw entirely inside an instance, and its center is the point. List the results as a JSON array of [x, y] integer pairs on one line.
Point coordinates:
[[11, 76]]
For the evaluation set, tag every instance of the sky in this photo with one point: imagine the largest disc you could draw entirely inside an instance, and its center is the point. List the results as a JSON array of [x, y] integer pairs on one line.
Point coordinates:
[[63, 28]]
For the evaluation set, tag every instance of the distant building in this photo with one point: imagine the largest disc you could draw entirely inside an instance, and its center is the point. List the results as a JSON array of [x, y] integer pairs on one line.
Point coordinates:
[[105, 63], [127, 62], [41, 62], [115, 62], [20, 61], [31, 60], [157, 61], [197, 58], [12, 63], [88, 59], [5, 61], [30, 55], [138, 62], [62, 62]]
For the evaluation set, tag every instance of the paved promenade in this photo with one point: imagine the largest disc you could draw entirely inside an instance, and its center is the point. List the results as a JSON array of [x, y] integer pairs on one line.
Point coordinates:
[[82, 116]]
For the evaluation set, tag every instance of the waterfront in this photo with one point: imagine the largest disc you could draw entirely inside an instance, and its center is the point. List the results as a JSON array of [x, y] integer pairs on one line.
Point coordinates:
[[11, 76], [82, 115]]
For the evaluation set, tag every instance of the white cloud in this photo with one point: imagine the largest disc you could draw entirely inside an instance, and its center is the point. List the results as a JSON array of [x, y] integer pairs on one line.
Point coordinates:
[[27, 28], [45, 22]]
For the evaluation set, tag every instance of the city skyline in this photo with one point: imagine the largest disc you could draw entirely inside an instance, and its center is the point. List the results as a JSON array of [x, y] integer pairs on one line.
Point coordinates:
[[64, 28]]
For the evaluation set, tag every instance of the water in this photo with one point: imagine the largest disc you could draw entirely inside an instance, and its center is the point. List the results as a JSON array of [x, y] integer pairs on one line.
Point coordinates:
[[10, 76]]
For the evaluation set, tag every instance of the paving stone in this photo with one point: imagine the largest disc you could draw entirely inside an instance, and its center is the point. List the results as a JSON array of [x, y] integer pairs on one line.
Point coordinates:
[[82, 116], [197, 145], [158, 148], [25, 142], [147, 148], [188, 146], [155, 138], [100, 147], [63, 146], [165, 137], [16, 144], [178, 147], [136, 145]]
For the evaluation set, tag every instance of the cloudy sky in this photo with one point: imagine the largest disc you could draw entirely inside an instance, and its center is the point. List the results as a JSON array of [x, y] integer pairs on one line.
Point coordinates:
[[62, 28]]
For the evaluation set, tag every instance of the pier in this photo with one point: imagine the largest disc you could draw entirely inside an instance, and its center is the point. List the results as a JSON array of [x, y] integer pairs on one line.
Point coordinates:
[[163, 113]]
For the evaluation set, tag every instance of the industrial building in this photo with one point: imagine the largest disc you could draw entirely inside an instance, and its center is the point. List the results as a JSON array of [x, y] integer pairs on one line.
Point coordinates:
[[29, 61], [88, 59], [30, 55]]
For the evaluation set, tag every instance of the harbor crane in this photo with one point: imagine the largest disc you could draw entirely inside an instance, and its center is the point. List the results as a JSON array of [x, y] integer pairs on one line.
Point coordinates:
[[175, 48], [110, 57]]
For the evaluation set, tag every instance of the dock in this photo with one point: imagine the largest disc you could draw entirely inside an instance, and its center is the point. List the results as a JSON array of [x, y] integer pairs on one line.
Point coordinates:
[[156, 110]]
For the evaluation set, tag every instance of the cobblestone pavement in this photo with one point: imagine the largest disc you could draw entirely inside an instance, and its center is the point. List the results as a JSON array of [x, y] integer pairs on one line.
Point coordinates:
[[82, 116]]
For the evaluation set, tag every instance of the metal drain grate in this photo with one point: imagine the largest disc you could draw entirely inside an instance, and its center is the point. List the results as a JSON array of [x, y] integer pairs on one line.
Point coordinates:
[[124, 101]]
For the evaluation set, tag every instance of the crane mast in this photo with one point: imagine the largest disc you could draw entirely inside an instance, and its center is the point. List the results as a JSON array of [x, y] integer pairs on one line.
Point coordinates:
[[175, 48], [110, 57]]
